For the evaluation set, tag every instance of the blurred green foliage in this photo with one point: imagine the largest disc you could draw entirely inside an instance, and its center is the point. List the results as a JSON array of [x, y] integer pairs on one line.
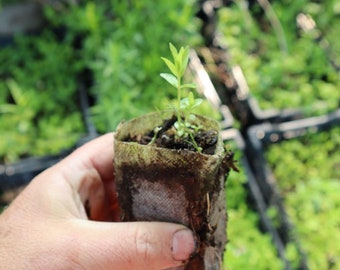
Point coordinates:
[[248, 246], [284, 69], [116, 44], [39, 112], [122, 43], [307, 170]]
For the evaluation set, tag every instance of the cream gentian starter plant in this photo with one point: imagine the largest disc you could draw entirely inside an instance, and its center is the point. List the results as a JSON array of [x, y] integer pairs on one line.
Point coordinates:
[[171, 166]]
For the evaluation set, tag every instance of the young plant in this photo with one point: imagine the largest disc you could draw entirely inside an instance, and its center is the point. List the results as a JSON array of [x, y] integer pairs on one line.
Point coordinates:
[[184, 125]]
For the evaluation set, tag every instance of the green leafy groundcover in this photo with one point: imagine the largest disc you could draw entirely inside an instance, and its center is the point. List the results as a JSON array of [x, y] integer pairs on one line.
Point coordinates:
[[39, 112], [326, 14], [308, 172], [122, 45], [284, 67], [248, 247], [118, 42]]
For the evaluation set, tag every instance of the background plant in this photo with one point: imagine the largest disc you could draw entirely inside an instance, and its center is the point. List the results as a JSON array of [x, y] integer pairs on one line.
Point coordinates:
[[123, 53], [39, 112], [248, 246], [299, 77], [326, 15], [110, 47], [307, 173]]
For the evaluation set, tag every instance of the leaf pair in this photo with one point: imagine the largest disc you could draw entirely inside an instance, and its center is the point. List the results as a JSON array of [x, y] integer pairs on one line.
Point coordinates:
[[177, 67], [190, 102]]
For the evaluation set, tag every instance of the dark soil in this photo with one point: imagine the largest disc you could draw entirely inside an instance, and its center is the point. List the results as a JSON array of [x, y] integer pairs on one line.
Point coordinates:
[[165, 137]]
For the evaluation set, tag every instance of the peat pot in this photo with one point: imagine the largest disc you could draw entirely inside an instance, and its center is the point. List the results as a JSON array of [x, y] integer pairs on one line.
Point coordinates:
[[174, 185]]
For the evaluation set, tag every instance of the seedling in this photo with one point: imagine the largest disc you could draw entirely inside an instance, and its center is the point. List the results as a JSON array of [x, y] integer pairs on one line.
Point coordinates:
[[184, 125]]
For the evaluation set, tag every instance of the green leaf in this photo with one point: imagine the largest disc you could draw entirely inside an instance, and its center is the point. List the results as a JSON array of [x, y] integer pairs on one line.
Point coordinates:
[[191, 98], [198, 101], [170, 79], [181, 54], [191, 117], [190, 103], [171, 66], [17, 93], [194, 102], [184, 59], [189, 85], [184, 103], [7, 108], [173, 50]]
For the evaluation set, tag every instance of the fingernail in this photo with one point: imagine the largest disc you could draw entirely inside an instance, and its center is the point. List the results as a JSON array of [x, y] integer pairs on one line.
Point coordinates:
[[183, 245]]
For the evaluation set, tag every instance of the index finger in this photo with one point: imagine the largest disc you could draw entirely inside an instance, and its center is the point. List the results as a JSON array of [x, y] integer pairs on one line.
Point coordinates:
[[80, 169]]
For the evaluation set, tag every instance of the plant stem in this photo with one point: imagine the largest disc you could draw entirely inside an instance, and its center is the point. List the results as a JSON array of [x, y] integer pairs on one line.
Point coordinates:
[[179, 92], [179, 119], [199, 149]]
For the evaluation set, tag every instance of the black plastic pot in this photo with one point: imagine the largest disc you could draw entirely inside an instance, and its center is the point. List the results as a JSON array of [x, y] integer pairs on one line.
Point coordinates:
[[19, 174], [21, 18]]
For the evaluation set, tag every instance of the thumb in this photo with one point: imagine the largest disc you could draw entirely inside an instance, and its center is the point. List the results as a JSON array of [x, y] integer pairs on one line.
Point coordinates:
[[132, 245]]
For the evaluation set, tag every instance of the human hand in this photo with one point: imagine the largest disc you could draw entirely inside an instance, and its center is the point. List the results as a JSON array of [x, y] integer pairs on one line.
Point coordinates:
[[67, 218]]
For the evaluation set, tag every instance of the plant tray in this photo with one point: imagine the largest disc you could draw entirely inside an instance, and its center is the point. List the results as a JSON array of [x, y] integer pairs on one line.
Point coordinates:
[[20, 173], [255, 196], [260, 137], [206, 89], [232, 84], [233, 90]]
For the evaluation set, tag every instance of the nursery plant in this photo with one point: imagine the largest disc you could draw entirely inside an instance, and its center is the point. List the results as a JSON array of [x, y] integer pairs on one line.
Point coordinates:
[[83, 37], [281, 64], [184, 125], [171, 166], [325, 15], [39, 112], [248, 247], [121, 49], [307, 174]]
